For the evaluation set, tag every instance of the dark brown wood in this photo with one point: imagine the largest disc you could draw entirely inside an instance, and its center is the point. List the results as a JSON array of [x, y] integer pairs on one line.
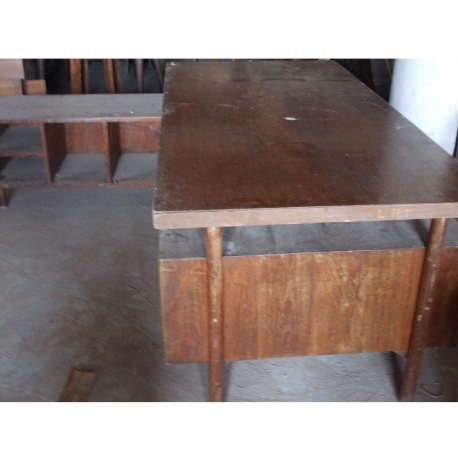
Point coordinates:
[[75, 76], [139, 74], [283, 143], [34, 87], [79, 386], [214, 243], [418, 339], [109, 76], [35, 109], [54, 148], [291, 142]]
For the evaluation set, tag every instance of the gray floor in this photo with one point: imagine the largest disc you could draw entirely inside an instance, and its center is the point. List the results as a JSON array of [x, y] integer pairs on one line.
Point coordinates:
[[79, 289]]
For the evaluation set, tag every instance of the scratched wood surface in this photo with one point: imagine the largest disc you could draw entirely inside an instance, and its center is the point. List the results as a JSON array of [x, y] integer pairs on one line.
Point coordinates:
[[294, 304], [325, 311], [253, 143], [80, 108]]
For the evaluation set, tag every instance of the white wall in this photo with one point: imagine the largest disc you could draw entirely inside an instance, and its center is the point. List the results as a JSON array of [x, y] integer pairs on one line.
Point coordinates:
[[425, 91]]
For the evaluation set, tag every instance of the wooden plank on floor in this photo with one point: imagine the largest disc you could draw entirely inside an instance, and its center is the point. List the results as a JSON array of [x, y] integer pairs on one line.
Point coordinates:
[[79, 386]]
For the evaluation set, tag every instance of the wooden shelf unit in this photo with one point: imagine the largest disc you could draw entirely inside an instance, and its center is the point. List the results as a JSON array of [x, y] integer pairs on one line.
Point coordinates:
[[52, 127]]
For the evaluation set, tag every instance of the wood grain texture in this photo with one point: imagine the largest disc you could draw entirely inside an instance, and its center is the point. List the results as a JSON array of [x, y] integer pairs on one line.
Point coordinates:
[[296, 304], [300, 142], [140, 137], [75, 76], [214, 259], [11, 69], [443, 326], [80, 108], [34, 87], [135, 137], [424, 306], [183, 288], [85, 138]]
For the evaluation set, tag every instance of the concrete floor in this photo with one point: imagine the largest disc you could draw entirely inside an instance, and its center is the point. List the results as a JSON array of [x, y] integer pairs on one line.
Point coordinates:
[[79, 289]]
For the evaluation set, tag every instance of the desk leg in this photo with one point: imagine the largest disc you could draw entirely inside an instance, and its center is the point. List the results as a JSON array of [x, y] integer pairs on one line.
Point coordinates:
[[215, 311], [424, 304]]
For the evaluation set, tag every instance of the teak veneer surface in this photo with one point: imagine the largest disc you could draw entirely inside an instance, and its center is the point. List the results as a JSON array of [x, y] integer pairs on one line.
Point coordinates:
[[258, 143], [79, 108]]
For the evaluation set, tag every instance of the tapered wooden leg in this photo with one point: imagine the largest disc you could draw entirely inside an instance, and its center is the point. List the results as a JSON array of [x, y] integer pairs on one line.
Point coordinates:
[[215, 309], [424, 305]]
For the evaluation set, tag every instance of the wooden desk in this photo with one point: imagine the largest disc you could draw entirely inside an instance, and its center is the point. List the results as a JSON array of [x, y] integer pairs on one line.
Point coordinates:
[[272, 144]]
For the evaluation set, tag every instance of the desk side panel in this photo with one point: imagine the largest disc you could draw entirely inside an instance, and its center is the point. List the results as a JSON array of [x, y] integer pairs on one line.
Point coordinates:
[[294, 304]]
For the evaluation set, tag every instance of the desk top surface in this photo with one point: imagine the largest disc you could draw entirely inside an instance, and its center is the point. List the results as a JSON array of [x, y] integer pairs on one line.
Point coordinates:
[[28, 109], [251, 143]]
